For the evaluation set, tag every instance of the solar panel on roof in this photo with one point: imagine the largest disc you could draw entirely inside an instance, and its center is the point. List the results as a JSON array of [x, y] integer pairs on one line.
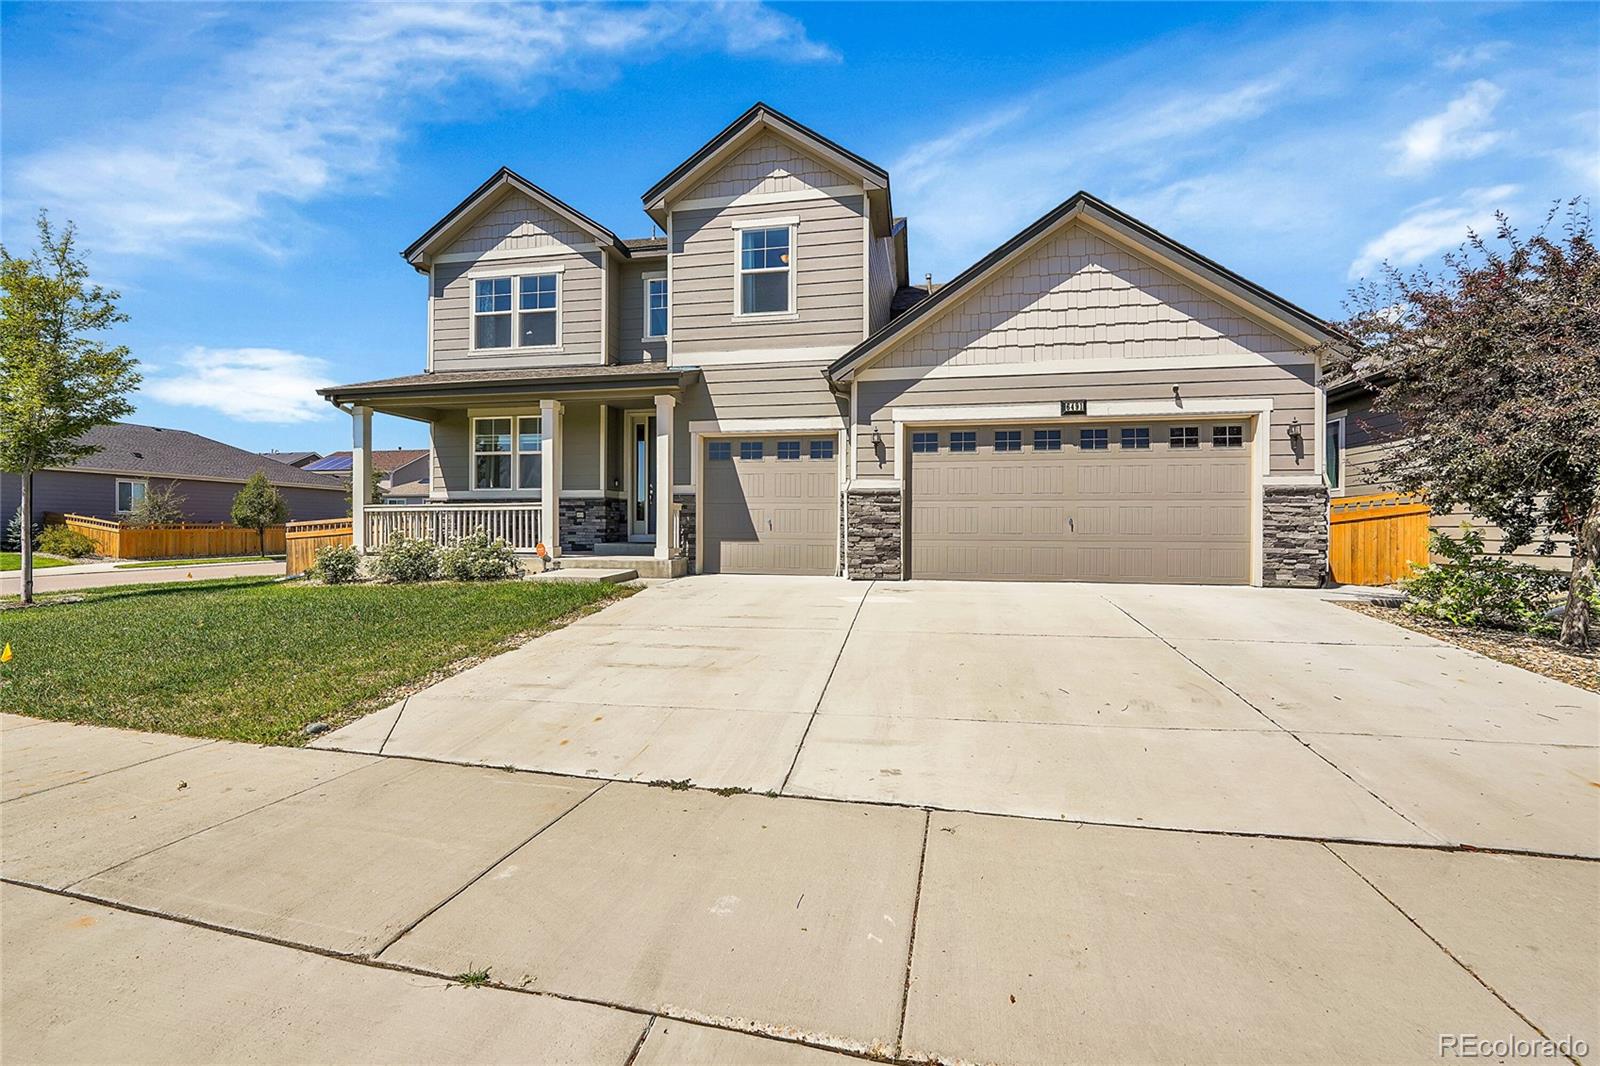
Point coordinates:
[[332, 462]]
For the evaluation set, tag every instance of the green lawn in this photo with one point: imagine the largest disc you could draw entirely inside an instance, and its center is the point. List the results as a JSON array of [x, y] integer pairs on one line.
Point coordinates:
[[201, 562], [13, 561], [255, 659]]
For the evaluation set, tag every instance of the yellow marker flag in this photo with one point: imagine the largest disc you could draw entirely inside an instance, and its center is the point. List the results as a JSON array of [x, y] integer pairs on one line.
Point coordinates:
[[5, 655]]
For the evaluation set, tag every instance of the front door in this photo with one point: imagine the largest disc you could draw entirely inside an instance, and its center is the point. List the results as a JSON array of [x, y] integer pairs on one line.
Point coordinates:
[[641, 428]]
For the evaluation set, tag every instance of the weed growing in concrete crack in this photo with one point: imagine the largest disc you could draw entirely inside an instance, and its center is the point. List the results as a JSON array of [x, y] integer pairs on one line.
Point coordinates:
[[681, 785], [472, 978]]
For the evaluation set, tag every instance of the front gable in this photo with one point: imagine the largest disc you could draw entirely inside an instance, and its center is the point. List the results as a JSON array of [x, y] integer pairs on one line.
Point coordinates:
[[766, 165], [514, 222], [1079, 295]]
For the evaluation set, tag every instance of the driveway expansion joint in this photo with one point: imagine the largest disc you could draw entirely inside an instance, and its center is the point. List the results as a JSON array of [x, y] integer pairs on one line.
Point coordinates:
[[823, 694], [911, 939], [1297, 737], [1452, 956], [200, 742]]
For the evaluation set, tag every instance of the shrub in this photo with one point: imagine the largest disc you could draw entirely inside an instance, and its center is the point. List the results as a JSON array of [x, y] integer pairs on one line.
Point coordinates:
[[161, 505], [1471, 587], [337, 564], [476, 558], [12, 539], [406, 559], [59, 540]]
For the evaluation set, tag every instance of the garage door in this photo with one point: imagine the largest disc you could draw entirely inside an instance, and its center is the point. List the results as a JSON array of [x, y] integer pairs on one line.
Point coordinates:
[[771, 506], [1138, 501]]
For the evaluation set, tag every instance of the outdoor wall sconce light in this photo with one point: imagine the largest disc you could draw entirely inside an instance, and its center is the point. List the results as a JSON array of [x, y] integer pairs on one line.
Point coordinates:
[[877, 438], [1295, 432]]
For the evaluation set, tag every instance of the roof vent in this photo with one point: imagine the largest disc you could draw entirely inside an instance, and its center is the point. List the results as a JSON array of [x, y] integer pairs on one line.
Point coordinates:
[[138, 455]]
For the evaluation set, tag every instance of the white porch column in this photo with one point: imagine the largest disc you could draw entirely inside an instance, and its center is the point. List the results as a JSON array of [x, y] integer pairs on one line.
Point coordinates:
[[550, 476], [360, 474], [664, 545]]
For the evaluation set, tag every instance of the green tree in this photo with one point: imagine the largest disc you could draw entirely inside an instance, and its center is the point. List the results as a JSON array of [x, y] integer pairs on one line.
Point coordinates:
[[1493, 366], [58, 380], [259, 505], [159, 506]]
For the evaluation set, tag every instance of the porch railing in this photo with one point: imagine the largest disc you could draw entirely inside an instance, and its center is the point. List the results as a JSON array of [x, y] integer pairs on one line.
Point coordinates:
[[444, 523]]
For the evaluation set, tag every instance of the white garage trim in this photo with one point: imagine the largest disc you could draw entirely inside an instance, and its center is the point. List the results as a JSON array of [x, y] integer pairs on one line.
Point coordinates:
[[702, 429], [1257, 409]]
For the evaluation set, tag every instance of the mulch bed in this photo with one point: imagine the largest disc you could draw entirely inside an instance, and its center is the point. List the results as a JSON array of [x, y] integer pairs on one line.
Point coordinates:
[[1541, 655]]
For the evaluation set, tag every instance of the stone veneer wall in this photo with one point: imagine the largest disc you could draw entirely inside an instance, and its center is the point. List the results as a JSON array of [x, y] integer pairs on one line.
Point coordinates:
[[1294, 536], [873, 534], [587, 522], [686, 525]]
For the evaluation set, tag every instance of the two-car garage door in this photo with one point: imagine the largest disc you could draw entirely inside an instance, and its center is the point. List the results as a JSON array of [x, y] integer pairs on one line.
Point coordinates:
[[771, 505], [1140, 501]]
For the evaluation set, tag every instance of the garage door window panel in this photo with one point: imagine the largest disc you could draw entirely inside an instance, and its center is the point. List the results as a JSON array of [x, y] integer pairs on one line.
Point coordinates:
[[924, 443], [750, 450], [822, 449], [1047, 440], [1184, 437], [1136, 438], [1227, 436], [1093, 440], [963, 441], [1008, 440]]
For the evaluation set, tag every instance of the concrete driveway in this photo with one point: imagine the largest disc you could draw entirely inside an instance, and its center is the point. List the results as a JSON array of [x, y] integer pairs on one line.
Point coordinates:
[[1250, 711]]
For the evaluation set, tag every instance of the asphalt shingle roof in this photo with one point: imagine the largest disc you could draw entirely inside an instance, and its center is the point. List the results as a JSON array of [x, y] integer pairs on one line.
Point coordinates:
[[126, 448]]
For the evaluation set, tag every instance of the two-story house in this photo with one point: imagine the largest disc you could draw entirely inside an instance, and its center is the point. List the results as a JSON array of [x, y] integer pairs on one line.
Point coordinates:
[[763, 391]]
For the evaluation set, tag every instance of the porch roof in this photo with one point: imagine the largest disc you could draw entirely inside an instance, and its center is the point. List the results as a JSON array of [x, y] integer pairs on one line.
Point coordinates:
[[555, 380]]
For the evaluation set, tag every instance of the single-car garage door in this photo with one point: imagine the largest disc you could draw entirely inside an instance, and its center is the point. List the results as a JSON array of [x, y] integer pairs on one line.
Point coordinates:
[[771, 506], [1135, 501]]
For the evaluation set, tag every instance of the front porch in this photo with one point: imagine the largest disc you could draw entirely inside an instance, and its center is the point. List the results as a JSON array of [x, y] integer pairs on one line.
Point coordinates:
[[563, 463]]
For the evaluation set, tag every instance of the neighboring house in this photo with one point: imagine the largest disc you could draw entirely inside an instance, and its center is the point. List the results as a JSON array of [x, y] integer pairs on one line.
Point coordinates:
[[291, 458], [338, 464], [1357, 437], [408, 482], [762, 390], [132, 459]]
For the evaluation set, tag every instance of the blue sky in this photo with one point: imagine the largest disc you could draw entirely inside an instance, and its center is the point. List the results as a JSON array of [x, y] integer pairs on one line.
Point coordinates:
[[246, 174]]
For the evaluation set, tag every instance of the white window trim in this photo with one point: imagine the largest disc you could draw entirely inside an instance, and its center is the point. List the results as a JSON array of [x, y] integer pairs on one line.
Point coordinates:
[[792, 224], [644, 282], [116, 494], [1339, 420], [516, 274], [516, 453]]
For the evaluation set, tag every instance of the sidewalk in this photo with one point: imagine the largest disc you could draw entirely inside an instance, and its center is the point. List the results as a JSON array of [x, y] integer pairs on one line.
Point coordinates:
[[191, 900], [102, 574]]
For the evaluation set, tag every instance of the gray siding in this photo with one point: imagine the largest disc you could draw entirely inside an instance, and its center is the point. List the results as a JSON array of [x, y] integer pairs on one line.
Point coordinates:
[[452, 451], [1289, 387], [515, 223], [785, 390], [95, 495], [579, 303], [829, 284], [881, 282], [1078, 295], [631, 345]]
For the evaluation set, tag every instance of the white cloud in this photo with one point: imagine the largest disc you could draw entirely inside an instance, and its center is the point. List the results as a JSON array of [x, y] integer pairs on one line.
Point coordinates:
[[250, 384], [1434, 227], [1473, 55], [1460, 131], [321, 102]]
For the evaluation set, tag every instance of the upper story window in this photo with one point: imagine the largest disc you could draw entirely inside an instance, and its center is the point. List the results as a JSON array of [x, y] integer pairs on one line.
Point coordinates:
[[491, 313], [537, 312], [766, 271], [655, 308]]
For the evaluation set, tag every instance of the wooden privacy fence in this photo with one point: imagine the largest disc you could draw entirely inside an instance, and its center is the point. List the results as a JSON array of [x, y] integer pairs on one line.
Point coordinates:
[[304, 538], [184, 540], [1373, 540]]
